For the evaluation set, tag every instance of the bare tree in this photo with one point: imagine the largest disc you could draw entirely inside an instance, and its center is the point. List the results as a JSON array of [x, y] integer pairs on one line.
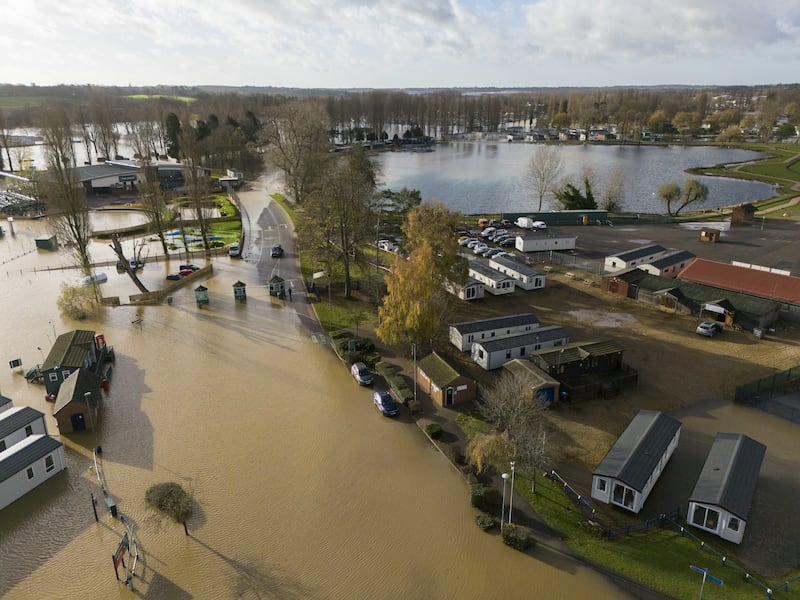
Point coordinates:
[[508, 404], [297, 140], [66, 198], [615, 190], [5, 140], [126, 263], [143, 136], [544, 169]]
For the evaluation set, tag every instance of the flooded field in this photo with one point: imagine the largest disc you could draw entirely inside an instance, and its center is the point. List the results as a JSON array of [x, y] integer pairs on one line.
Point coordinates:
[[302, 490]]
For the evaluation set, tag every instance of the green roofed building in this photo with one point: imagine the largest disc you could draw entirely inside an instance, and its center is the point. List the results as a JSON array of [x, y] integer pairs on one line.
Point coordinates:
[[443, 383]]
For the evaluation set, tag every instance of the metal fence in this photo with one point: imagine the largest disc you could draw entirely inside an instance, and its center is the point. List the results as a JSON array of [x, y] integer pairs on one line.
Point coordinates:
[[592, 265], [769, 394]]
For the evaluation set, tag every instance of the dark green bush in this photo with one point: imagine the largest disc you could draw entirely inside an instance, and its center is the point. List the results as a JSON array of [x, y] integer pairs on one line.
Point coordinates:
[[372, 358], [518, 537], [434, 430], [396, 381], [485, 498], [484, 521], [353, 357], [406, 395]]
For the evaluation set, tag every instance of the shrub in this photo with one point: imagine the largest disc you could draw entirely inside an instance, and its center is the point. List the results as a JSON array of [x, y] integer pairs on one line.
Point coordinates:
[[384, 368], [414, 406], [406, 395], [372, 359], [171, 499], [396, 381], [434, 430], [485, 498], [353, 357], [518, 537], [77, 302], [484, 521]]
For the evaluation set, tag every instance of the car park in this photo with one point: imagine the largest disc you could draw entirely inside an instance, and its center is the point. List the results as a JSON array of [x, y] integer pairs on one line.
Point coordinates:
[[277, 251], [361, 373], [708, 328], [384, 402]]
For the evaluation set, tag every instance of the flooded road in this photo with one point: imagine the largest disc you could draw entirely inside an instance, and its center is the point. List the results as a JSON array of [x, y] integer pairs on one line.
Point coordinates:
[[302, 490]]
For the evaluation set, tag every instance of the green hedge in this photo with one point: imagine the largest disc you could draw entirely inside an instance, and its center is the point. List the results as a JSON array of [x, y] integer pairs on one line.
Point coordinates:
[[434, 430], [484, 498], [518, 537], [484, 521]]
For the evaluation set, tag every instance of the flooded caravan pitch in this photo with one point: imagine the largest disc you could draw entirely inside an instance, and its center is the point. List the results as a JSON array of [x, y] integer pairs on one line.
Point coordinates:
[[302, 490]]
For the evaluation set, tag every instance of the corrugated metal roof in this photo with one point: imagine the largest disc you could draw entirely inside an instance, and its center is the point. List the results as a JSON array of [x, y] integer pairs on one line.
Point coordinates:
[[730, 473], [516, 266], [23, 454], [438, 369], [496, 323], [99, 171], [672, 259], [16, 418], [543, 334], [640, 252], [634, 456], [69, 350], [773, 286], [488, 271]]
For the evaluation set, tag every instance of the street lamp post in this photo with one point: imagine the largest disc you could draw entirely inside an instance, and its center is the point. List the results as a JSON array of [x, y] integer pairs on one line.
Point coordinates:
[[511, 496], [88, 408], [505, 477], [414, 374], [39, 348]]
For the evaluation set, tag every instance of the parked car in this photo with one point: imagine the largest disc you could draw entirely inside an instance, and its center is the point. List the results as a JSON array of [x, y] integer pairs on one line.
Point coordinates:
[[509, 242], [499, 239], [466, 241], [499, 232], [472, 243], [96, 278], [174, 276], [708, 329], [361, 373], [505, 223], [539, 225], [185, 272], [277, 251], [385, 403], [506, 255], [189, 267], [233, 251], [488, 232], [478, 248], [492, 252]]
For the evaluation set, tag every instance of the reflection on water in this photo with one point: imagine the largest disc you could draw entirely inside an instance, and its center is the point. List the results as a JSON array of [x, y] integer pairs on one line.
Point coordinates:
[[302, 489], [475, 177]]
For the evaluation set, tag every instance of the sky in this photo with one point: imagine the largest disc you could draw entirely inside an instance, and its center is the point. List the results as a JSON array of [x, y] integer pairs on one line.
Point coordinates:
[[400, 43]]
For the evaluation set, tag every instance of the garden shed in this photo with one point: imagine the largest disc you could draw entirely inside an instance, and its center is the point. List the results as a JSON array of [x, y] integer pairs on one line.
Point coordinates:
[[446, 386]]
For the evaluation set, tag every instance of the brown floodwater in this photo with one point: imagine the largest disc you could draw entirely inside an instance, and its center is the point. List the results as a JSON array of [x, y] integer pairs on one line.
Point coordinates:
[[302, 490]]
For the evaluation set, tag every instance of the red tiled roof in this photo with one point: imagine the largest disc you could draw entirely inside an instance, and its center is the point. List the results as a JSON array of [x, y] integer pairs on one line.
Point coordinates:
[[783, 288]]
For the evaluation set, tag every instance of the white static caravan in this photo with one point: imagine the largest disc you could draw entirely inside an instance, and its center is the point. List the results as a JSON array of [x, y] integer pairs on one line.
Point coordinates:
[[631, 468], [462, 335], [670, 264], [723, 492], [17, 423], [471, 290], [545, 242], [525, 277], [27, 464], [633, 258], [493, 281], [493, 354]]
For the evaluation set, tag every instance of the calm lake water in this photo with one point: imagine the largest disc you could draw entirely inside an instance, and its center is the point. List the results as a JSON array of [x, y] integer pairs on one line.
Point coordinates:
[[302, 490], [485, 177]]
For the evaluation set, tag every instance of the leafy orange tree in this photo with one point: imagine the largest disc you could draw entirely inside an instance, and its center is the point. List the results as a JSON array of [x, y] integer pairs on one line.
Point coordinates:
[[416, 301]]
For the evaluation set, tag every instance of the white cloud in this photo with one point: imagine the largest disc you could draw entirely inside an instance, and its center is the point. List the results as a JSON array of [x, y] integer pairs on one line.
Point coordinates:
[[403, 43]]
